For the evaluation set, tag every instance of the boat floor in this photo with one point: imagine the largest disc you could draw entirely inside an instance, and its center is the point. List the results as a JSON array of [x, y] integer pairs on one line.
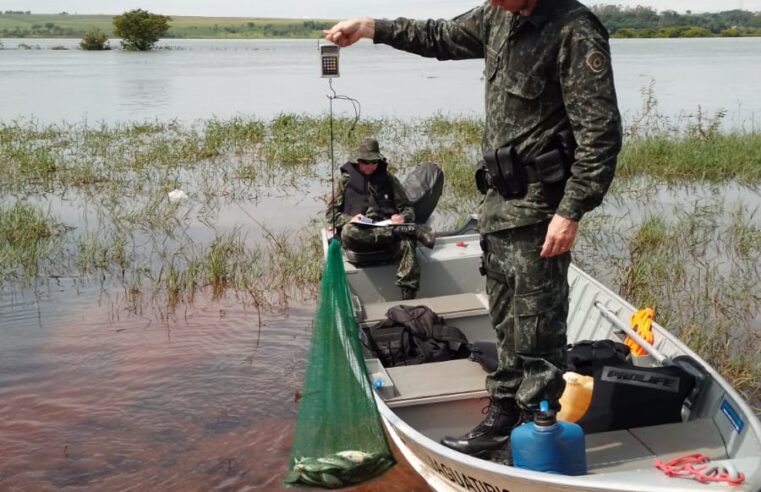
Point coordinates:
[[451, 400], [448, 398]]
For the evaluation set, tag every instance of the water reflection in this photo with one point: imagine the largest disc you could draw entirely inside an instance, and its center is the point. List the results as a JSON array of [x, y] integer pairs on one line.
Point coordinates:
[[140, 96], [100, 400], [224, 78]]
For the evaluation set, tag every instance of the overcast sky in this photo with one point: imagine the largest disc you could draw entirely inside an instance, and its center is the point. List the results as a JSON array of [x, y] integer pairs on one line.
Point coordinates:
[[329, 9]]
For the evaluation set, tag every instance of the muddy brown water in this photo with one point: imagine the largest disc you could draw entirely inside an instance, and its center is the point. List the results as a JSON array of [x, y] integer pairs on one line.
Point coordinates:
[[93, 398]]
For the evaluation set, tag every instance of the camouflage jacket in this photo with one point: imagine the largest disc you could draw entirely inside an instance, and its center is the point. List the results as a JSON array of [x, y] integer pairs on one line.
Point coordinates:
[[544, 73], [336, 203]]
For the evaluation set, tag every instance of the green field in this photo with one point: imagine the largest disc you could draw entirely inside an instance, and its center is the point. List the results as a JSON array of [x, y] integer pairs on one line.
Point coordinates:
[[75, 26]]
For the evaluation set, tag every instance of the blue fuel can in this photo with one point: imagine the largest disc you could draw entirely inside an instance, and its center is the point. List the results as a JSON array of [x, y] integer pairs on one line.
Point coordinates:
[[549, 445]]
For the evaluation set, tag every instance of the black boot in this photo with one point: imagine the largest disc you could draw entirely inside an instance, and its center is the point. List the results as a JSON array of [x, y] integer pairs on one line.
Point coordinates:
[[423, 234], [489, 440]]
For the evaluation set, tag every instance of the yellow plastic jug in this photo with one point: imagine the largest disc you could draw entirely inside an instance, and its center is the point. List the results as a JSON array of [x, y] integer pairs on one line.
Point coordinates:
[[576, 397]]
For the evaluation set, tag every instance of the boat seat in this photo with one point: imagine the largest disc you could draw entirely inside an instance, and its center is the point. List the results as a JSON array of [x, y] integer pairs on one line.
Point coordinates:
[[447, 380], [368, 258], [448, 307]]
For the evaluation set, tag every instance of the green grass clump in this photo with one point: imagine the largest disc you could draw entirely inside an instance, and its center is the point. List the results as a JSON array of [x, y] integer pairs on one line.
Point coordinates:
[[464, 131], [99, 252], [26, 237], [723, 157], [698, 269], [238, 134], [23, 224]]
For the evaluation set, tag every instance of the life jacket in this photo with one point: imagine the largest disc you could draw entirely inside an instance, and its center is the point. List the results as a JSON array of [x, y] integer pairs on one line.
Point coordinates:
[[364, 192]]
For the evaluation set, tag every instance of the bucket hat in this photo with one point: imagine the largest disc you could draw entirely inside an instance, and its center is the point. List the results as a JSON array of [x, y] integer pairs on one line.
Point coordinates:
[[369, 151]]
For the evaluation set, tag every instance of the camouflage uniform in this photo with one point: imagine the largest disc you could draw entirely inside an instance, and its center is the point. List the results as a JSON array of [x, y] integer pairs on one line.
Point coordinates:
[[367, 238], [545, 73]]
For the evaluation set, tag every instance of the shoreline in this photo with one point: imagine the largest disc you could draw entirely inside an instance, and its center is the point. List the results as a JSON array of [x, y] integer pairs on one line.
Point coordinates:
[[26, 25]]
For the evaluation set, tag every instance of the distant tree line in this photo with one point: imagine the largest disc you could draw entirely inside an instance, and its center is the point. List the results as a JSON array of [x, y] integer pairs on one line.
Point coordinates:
[[622, 22], [46, 30], [260, 29], [644, 22], [242, 30]]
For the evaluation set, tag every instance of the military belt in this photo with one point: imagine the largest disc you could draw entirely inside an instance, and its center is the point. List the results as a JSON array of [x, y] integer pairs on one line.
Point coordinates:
[[539, 168], [503, 170], [548, 168]]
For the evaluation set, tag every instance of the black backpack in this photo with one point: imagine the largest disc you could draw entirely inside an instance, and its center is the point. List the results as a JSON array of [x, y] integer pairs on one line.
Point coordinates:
[[413, 335], [582, 357], [586, 356]]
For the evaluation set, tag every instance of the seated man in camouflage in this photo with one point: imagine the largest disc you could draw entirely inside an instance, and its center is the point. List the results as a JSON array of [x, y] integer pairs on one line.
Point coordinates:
[[367, 190]]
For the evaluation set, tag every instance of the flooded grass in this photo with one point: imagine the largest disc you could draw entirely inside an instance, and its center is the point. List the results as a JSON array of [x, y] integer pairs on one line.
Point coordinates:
[[27, 236], [697, 265], [718, 158], [699, 269]]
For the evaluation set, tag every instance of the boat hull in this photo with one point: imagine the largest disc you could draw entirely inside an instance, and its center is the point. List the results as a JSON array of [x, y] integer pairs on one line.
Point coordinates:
[[431, 400]]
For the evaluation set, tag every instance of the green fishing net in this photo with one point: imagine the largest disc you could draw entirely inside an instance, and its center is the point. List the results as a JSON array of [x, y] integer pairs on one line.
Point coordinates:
[[339, 438]]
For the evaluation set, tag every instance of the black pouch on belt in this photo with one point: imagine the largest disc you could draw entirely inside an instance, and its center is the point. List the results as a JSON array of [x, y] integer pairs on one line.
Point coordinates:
[[507, 172], [552, 171], [552, 167]]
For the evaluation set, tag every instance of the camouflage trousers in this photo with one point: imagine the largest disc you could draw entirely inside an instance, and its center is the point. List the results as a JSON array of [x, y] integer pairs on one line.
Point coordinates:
[[365, 238], [528, 303]]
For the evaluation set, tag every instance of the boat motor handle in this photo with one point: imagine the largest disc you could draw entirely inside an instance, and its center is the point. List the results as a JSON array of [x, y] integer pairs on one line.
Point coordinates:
[[611, 316]]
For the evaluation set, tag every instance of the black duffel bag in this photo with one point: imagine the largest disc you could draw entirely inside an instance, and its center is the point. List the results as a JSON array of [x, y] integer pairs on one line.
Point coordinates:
[[582, 357], [413, 335]]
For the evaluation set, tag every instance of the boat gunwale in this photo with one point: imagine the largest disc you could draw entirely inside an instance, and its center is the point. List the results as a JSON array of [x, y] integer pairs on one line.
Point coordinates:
[[396, 426]]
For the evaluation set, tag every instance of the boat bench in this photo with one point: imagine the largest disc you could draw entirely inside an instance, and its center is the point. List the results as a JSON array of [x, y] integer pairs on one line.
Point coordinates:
[[447, 380], [443, 381], [448, 307]]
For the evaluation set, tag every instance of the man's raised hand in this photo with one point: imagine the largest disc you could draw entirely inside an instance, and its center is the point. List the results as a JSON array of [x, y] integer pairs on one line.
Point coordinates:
[[348, 32]]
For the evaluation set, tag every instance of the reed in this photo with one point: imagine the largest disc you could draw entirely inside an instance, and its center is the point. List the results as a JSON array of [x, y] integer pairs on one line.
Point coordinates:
[[698, 268], [722, 157], [236, 134], [697, 265], [296, 262], [27, 236], [465, 130]]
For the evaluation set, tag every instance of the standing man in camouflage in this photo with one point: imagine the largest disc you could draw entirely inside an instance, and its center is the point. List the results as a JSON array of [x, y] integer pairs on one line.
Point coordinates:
[[551, 138], [367, 190]]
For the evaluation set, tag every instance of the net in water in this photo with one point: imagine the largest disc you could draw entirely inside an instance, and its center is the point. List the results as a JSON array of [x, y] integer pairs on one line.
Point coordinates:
[[339, 438]]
